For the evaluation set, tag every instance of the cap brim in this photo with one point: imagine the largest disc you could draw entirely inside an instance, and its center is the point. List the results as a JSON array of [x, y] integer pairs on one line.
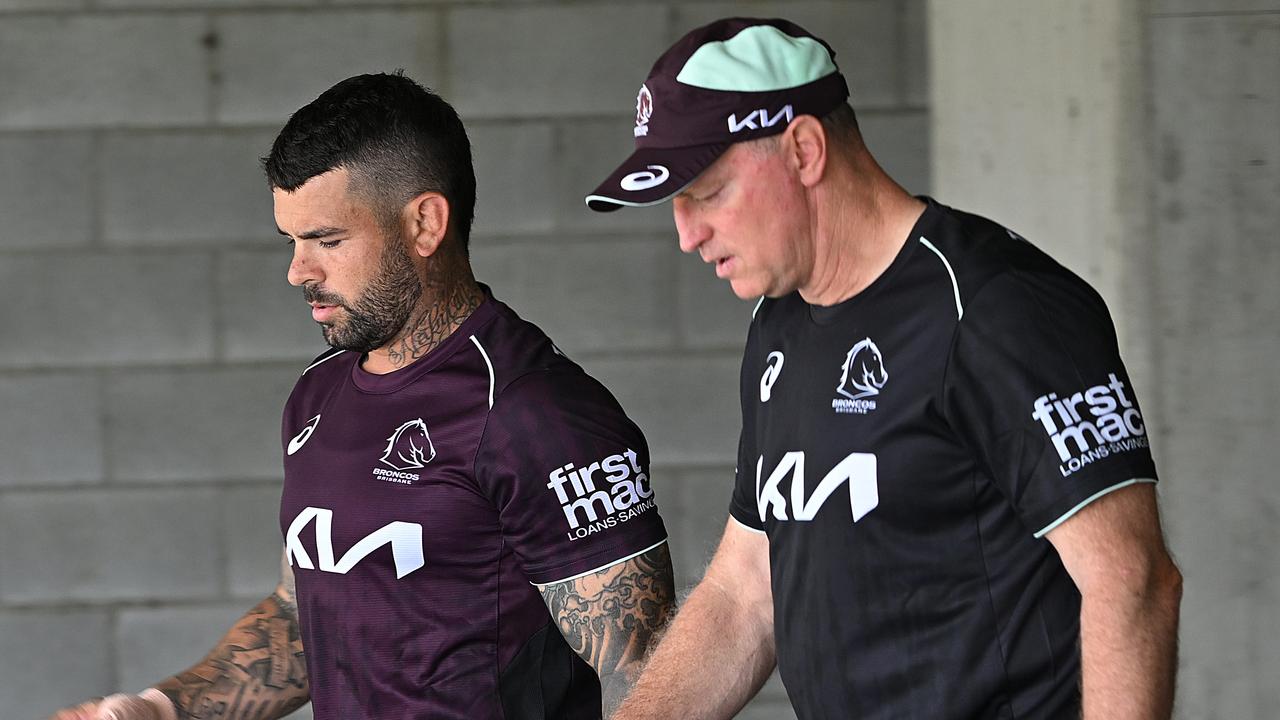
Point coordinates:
[[653, 175]]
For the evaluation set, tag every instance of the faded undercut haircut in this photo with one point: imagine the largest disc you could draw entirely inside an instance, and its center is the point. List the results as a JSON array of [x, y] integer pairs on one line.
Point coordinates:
[[396, 138]]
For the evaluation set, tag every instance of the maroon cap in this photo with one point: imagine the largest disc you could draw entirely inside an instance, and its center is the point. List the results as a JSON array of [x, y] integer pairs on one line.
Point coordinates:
[[732, 80]]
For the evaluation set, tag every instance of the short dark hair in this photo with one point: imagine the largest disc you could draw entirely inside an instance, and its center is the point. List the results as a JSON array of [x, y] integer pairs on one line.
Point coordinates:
[[396, 138], [842, 122]]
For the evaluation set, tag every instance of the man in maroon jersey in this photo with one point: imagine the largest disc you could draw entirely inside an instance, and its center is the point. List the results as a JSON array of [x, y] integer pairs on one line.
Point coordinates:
[[469, 526]]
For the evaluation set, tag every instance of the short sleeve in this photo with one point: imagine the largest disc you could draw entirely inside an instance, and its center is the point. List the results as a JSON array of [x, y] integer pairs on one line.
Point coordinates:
[[1036, 387], [742, 506], [569, 475]]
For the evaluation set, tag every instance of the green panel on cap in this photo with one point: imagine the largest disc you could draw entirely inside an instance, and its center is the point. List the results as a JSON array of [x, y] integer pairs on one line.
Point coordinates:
[[758, 59]]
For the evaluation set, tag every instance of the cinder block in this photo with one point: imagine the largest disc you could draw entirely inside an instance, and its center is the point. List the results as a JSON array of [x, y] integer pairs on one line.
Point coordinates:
[[552, 60], [197, 424], [102, 309], [915, 61], [96, 70], [709, 314], [251, 528], [184, 188], [154, 643], [515, 177], [272, 63], [101, 546], [767, 705], [198, 4], [900, 142], [586, 152], [262, 316], [864, 34], [1211, 7], [51, 659], [45, 191], [608, 295], [687, 407], [695, 507], [42, 4], [50, 430]]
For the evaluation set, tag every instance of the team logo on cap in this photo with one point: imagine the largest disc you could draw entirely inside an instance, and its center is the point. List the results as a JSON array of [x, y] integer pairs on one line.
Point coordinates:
[[644, 110]]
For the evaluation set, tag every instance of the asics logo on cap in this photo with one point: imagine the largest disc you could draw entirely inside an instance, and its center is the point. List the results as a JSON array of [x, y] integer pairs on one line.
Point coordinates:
[[645, 179]]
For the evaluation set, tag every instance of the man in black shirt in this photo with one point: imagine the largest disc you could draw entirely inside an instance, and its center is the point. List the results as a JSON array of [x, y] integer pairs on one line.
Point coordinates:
[[926, 399]]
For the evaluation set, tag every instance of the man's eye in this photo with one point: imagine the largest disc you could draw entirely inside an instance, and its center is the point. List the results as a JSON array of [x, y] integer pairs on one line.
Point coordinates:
[[330, 243]]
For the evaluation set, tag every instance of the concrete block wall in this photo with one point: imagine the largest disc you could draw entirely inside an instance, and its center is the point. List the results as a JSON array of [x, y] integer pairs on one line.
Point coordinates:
[[149, 339]]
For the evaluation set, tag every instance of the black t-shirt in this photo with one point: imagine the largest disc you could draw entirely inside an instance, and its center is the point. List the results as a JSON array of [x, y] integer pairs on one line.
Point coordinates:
[[906, 450]]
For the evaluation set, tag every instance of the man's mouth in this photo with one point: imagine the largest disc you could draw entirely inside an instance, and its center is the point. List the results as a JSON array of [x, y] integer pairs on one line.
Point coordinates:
[[322, 313]]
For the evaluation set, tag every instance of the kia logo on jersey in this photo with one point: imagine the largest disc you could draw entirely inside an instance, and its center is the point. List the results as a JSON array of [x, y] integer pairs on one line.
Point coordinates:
[[405, 539]]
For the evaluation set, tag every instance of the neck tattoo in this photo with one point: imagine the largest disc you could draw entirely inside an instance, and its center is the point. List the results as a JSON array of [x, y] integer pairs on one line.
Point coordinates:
[[446, 302]]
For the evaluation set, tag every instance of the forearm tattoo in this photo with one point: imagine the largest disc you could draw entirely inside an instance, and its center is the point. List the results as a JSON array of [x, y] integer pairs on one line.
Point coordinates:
[[257, 672], [612, 617]]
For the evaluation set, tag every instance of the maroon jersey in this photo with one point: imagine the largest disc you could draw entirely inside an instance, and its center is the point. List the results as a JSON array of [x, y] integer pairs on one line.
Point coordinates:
[[421, 506]]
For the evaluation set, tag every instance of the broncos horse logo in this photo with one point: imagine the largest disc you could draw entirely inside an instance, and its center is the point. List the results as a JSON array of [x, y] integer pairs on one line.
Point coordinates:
[[409, 446], [863, 373]]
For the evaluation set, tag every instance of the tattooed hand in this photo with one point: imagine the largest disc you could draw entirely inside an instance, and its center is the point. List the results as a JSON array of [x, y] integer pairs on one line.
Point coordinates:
[[612, 617]]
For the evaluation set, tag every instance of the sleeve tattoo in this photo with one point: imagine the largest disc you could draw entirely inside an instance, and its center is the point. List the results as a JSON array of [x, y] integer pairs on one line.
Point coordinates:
[[257, 672], [612, 617]]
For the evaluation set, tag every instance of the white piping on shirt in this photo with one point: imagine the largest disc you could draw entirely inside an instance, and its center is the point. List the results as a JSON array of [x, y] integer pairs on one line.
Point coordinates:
[[602, 567], [324, 359], [485, 355], [955, 287]]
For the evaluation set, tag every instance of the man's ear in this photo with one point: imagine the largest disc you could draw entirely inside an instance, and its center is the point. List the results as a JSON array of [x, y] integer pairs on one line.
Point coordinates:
[[427, 221], [805, 140]]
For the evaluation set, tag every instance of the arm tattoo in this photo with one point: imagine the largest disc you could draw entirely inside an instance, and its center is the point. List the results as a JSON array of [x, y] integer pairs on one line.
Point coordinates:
[[612, 617], [257, 672]]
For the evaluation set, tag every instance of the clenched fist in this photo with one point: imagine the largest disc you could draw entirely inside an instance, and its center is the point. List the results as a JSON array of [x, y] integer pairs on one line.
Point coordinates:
[[150, 704]]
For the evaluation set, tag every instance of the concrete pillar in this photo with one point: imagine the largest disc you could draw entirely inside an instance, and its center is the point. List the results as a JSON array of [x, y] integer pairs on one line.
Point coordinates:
[[1038, 119]]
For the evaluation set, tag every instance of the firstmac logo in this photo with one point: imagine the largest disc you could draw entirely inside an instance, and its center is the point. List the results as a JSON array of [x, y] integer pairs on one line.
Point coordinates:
[[1110, 423], [593, 503]]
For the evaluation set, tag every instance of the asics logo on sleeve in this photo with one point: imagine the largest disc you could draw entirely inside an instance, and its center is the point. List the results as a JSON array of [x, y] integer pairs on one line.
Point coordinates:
[[301, 438], [770, 375]]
